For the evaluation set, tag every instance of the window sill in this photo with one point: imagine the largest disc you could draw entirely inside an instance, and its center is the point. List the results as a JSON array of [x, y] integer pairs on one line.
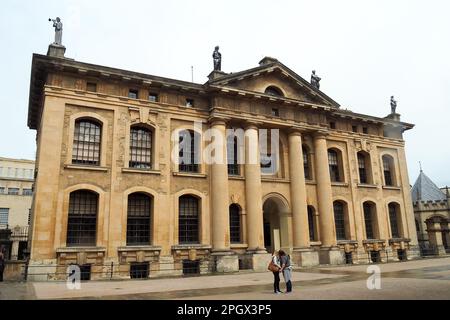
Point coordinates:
[[312, 182], [191, 246], [232, 177], [274, 179], [238, 246], [139, 248], [339, 184], [391, 188], [189, 174], [366, 185], [143, 171], [315, 243], [80, 249], [82, 167]]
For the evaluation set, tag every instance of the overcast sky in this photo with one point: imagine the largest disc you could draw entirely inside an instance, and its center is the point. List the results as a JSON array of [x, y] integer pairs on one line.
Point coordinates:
[[364, 51]]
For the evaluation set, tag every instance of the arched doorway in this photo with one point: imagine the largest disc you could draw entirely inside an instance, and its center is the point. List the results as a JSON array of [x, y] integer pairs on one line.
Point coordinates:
[[277, 220]]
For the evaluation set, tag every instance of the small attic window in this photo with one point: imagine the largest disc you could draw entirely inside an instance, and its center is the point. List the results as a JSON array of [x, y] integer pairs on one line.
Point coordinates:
[[274, 91]]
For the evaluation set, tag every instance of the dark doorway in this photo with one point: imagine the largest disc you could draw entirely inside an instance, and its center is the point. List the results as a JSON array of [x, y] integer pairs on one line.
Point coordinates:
[[267, 237]]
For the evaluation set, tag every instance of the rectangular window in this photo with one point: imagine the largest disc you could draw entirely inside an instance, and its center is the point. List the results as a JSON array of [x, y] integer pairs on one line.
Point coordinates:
[[29, 216], [275, 112], [189, 102], [13, 191], [4, 215], [85, 271], [140, 148], [153, 97], [365, 130], [232, 155], [332, 125], [368, 222], [133, 94], [91, 87], [139, 270], [334, 166], [27, 192], [362, 169], [191, 267], [2, 190], [393, 220], [354, 128]]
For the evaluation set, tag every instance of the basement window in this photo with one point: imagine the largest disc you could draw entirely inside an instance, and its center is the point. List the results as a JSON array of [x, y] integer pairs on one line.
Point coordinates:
[[139, 270], [191, 267], [85, 271]]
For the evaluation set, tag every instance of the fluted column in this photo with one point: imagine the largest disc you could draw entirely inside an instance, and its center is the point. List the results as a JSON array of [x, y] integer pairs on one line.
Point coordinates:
[[219, 189], [324, 194], [253, 196], [298, 192]]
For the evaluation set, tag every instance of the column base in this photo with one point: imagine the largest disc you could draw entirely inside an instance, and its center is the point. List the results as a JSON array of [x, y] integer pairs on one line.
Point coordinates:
[[225, 261], [306, 257], [440, 250], [331, 255], [258, 260]]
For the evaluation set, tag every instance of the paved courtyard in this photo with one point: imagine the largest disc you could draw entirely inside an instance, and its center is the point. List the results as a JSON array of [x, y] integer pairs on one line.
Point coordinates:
[[420, 279]]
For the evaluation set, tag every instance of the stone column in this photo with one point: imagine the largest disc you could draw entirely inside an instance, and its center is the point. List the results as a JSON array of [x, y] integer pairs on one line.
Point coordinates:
[[225, 260], [435, 235], [302, 254], [325, 203], [253, 200]]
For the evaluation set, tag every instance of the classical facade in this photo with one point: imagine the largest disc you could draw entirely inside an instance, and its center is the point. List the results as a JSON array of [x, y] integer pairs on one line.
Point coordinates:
[[432, 213], [113, 186], [16, 190]]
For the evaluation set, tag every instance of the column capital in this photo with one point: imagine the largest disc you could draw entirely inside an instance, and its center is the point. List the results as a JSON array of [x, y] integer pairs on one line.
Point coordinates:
[[320, 134], [252, 124], [218, 120]]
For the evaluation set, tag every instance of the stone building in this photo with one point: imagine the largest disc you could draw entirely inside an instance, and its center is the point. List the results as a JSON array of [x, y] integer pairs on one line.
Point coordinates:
[[16, 190], [432, 213], [111, 189]]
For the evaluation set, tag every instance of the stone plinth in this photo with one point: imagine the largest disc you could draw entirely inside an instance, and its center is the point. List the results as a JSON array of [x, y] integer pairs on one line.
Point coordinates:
[[331, 255], [226, 262], [216, 74], [55, 50], [305, 257]]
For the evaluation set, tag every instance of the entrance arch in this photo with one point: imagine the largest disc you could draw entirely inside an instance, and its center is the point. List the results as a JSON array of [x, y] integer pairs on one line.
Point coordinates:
[[277, 221]]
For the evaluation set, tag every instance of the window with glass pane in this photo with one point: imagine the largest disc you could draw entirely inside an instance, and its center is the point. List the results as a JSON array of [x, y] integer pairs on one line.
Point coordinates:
[[133, 94], [4, 216], [362, 168], [232, 155], [27, 192], [339, 221], [138, 220], [188, 223], [2, 190], [368, 211], [189, 151], [13, 191], [387, 171], [306, 167], [334, 165], [393, 216], [153, 97], [311, 224], [235, 224], [82, 222], [140, 148], [86, 143]]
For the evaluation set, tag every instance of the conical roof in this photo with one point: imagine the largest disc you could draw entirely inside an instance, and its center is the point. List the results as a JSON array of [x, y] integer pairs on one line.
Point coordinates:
[[426, 190]]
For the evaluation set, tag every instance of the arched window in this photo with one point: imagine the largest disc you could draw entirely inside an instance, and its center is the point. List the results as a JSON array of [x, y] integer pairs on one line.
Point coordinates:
[[235, 223], [232, 155], [388, 170], [306, 162], [364, 167], [274, 91], [82, 220], [339, 220], [86, 142], [370, 219], [311, 224], [139, 219], [335, 165], [140, 148], [188, 220], [189, 151], [394, 219]]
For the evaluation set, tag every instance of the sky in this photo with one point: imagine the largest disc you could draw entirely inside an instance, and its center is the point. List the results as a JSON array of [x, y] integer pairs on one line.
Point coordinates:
[[364, 51]]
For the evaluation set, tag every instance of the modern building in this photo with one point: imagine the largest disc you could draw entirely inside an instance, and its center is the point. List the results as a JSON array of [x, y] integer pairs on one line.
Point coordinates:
[[16, 190], [432, 214], [114, 187]]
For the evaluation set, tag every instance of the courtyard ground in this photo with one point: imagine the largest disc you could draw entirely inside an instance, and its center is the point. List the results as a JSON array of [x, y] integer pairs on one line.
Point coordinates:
[[419, 279]]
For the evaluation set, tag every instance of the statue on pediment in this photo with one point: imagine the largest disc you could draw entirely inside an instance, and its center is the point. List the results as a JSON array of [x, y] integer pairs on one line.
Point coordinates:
[[217, 58], [57, 24], [315, 80], [393, 105]]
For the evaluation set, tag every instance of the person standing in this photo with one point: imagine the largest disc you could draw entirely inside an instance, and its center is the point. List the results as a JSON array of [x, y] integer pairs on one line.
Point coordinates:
[[2, 261], [286, 269], [276, 272]]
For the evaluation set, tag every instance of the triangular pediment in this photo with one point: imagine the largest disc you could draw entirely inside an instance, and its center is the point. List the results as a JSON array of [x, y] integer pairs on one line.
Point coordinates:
[[273, 74]]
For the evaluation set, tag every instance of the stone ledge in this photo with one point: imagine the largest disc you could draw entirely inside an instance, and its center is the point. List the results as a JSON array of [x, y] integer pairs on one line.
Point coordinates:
[[391, 188], [81, 167], [190, 175], [191, 246], [80, 249], [366, 185], [139, 248], [143, 171]]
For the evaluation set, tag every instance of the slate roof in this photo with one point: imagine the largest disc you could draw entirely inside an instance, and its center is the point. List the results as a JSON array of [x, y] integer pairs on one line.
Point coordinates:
[[426, 190]]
